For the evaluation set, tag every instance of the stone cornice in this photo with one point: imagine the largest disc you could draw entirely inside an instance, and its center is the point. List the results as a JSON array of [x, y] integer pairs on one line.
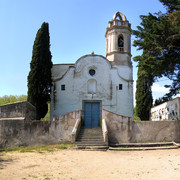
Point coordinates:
[[118, 52], [116, 27]]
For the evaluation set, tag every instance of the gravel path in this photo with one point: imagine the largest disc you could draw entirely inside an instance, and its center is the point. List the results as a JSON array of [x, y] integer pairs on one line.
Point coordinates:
[[88, 165]]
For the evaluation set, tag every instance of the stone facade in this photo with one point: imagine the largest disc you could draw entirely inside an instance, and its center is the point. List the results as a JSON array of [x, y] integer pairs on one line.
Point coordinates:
[[94, 78]]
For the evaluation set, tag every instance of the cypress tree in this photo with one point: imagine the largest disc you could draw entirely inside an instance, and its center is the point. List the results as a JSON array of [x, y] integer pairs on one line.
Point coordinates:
[[39, 78], [143, 94]]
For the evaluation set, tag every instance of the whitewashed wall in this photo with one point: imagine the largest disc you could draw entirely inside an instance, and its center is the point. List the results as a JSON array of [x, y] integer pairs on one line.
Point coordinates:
[[169, 110], [76, 78]]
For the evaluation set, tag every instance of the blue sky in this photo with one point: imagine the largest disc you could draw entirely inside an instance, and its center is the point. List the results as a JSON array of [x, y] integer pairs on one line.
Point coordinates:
[[77, 27]]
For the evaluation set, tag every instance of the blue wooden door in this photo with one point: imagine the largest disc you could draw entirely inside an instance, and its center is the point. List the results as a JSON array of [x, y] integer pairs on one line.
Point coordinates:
[[92, 114], [87, 114]]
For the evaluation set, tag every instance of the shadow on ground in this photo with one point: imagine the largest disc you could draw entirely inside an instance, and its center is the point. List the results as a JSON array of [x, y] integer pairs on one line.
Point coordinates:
[[4, 161]]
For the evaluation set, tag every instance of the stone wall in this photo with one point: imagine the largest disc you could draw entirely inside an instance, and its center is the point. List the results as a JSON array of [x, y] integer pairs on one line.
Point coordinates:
[[119, 127], [155, 131], [24, 132], [18, 132], [122, 129], [144, 131], [114, 117], [23, 110]]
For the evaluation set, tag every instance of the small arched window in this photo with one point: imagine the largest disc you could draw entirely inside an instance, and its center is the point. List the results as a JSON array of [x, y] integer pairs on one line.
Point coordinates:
[[121, 43]]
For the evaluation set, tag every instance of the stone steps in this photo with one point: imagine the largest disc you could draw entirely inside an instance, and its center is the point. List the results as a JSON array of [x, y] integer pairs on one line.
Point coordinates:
[[144, 146], [92, 148], [141, 148], [90, 139]]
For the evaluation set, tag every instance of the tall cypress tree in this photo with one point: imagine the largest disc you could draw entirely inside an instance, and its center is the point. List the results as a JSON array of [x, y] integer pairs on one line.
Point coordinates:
[[39, 78], [143, 94]]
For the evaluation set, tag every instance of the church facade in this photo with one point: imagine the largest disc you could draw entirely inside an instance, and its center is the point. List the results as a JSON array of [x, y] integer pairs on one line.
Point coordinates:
[[95, 82], [92, 104]]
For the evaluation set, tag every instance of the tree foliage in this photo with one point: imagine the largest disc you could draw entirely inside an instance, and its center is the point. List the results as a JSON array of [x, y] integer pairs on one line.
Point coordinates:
[[11, 99], [161, 100], [136, 118], [171, 5], [159, 37], [39, 78], [143, 94], [47, 116]]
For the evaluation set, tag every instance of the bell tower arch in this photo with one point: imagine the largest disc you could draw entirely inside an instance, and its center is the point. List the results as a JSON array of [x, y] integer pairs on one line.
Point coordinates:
[[118, 40]]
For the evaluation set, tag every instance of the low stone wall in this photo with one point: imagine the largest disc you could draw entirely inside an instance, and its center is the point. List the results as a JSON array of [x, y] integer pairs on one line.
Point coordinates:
[[23, 109], [122, 129], [155, 131], [144, 131], [119, 132], [119, 127], [71, 115], [114, 117], [24, 132], [19, 132]]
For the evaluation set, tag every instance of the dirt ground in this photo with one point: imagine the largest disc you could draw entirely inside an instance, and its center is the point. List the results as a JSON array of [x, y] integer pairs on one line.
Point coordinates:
[[83, 165]]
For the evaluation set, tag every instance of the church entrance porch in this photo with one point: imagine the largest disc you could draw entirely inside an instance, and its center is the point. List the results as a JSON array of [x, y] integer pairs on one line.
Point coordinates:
[[91, 113]]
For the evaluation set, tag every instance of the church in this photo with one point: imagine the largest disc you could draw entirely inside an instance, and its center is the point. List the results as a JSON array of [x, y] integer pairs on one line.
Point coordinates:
[[91, 104], [95, 82]]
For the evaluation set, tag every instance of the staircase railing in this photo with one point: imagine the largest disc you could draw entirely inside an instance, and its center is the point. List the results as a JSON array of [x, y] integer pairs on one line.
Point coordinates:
[[105, 131], [76, 129]]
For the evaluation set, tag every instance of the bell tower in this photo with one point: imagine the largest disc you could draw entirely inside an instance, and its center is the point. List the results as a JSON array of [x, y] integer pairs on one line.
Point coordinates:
[[118, 40]]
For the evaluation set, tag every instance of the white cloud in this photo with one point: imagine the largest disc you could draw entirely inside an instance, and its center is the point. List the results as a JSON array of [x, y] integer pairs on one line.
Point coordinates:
[[159, 89]]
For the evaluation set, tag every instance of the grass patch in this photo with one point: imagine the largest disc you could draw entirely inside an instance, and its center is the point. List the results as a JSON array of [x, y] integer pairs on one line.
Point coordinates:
[[40, 149], [47, 116]]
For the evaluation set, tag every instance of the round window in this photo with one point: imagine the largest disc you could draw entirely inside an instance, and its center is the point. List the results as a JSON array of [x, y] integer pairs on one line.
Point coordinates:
[[92, 72]]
